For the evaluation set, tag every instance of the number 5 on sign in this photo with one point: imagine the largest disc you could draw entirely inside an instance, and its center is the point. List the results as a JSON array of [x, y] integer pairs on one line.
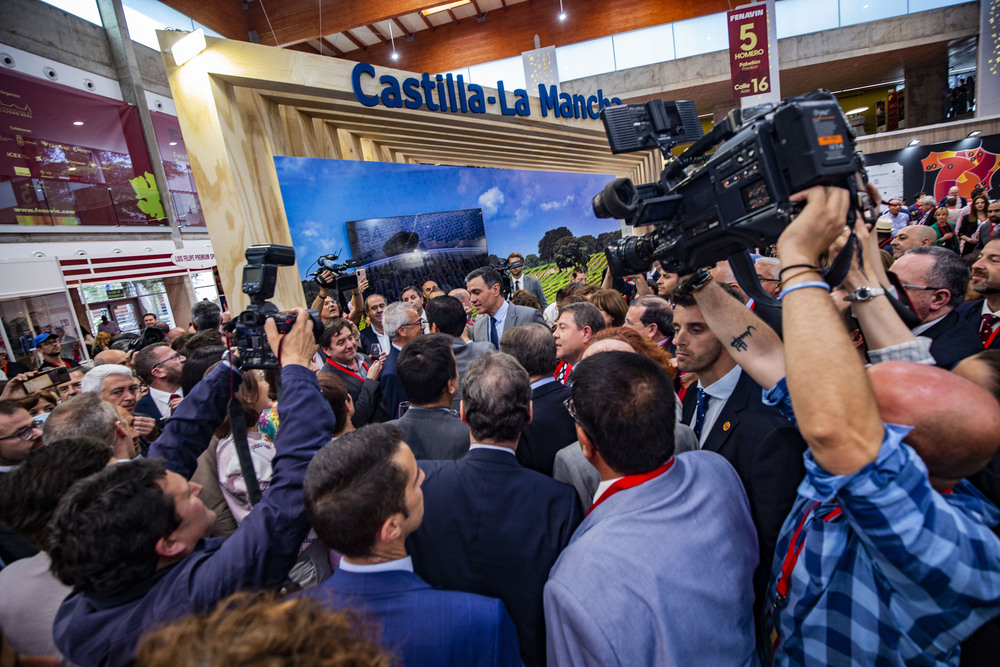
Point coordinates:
[[760, 85], [748, 36]]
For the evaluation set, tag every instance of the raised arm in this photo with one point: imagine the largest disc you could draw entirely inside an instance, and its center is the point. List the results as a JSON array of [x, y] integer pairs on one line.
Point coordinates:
[[753, 344], [189, 430], [834, 403]]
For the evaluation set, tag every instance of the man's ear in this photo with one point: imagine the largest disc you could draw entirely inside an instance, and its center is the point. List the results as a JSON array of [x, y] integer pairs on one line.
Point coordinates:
[[434, 328], [391, 529], [169, 548], [585, 443]]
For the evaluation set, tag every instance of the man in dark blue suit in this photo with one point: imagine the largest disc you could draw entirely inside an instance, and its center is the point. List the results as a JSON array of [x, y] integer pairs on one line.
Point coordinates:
[[982, 318], [363, 497], [493, 527], [551, 427], [402, 322], [935, 280]]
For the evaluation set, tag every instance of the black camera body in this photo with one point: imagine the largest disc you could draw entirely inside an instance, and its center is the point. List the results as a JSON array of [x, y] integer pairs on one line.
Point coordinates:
[[738, 198], [260, 277], [503, 267]]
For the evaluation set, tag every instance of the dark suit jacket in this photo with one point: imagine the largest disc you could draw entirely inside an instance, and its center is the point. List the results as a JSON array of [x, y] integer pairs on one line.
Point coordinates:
[[147, 406], [550, 430], [392, 388], [423, 625], [494, 528], [369, 338], [433, 434], [464, 354], [970, 316], [515, 315], [532, 285], [366, 396], [766, 451], [953, 340]]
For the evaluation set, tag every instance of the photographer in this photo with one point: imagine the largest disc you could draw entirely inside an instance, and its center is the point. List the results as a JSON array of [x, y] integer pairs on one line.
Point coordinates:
[[131, 540], [328, 304]]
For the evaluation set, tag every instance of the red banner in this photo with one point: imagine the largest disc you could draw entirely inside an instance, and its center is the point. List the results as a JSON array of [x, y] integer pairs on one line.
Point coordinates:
[[68, 157], [748, 59]]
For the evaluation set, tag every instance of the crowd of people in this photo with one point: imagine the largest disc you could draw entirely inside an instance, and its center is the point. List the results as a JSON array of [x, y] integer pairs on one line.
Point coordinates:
[[658, 470]]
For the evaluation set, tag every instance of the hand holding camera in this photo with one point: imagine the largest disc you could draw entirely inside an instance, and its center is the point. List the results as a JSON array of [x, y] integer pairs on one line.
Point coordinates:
[[293, 346]]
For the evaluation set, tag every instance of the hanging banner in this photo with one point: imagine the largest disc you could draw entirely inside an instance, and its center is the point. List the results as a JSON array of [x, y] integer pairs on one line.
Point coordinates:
[[753, 54], [72, 158]]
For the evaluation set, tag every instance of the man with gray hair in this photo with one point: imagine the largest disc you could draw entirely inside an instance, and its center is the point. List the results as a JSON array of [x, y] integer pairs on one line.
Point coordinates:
[[205, 316], [551, 428], [492, 527], [402, 323], [117, 385], [86, 415], [927, 206], [767, 273], [935, 280]]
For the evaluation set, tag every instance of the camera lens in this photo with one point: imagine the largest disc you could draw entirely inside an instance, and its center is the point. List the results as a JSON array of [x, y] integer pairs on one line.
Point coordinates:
[[616, 200]]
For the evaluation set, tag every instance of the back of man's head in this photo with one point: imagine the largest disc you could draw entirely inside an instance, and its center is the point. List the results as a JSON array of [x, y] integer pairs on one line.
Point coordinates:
[[585, 314], [102, 538], [93, 381], [948, 272], [496, 398], [206, 316], [203, 339], [84, 415], [656, 310], [624, 404], [426, 364], [144, 361], [533, 346], [30, 494], [447, 313], [353, 485]]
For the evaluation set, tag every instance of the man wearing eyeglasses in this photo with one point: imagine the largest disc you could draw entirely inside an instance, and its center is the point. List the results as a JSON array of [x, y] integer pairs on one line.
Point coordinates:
[[935, 280], [18, 435], [402, 321], [899, 217], [160, 368], [117, 385]]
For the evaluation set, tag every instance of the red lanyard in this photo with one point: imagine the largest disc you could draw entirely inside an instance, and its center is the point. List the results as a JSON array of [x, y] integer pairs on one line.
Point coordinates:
[[344, 369], [795, 548], [628, 481]]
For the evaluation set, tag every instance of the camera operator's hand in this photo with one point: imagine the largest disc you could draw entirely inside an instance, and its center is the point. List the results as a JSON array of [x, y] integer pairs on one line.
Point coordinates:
[[144, 425], [325, 277], [14, 388], [816, 228], [296, 347]]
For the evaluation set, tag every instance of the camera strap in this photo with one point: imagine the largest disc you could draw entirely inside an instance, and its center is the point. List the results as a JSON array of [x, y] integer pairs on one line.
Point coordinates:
[[238, 427]]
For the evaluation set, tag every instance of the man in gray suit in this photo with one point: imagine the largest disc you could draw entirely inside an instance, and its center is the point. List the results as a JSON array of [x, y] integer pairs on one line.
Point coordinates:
[[445, 314], [426, 368], [626, 591], [496, 314], [521, 281]]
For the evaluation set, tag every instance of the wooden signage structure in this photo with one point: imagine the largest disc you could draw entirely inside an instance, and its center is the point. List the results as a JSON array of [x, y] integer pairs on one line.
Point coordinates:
[[240, 104], [753, 54]]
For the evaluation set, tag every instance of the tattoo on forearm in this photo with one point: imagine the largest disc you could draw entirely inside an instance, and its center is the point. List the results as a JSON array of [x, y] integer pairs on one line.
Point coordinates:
[[739, 344]]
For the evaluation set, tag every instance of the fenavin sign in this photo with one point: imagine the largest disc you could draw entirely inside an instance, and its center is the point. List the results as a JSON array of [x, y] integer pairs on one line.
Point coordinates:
[[451, 94]]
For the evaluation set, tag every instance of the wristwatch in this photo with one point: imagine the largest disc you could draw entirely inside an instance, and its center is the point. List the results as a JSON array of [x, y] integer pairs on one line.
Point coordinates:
[[864, 294]]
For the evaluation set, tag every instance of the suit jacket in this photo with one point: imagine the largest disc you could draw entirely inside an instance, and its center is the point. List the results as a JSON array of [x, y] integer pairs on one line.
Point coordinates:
[[970, 316], [515, 315], [147, 406], [494, 528], [531, 284], [952, 339], [423, 625], [365, 394], [658, 574], [766, 451], [550, 430], [392, 388], [464, 354], [369, 338], [433, 433]]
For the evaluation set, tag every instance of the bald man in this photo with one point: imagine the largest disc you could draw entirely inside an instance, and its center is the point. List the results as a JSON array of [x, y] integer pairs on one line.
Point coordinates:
[[914, 236]]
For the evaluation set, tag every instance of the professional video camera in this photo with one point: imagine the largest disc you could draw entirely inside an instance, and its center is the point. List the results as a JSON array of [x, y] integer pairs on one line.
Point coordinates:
[[341, 282], [707, 209], [148, 336], [260, 276], [503, 267]]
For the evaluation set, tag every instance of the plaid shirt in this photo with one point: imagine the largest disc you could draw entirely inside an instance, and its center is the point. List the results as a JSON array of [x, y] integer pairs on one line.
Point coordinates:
[[891, 571]]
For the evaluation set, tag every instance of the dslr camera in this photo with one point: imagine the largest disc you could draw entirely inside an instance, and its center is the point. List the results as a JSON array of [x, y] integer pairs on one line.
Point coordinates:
[[706, 208], [260, 275]]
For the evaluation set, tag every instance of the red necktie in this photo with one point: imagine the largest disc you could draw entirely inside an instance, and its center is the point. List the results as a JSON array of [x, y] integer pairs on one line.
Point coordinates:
[[986, 327], [172, 397]]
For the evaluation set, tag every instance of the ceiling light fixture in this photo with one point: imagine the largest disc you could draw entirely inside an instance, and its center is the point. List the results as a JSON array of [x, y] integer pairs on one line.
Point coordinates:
[[856, 110], [562, 13], [78, 122], [188, 46], [445, 7], [974, 133], [914, 142], [395, 56]]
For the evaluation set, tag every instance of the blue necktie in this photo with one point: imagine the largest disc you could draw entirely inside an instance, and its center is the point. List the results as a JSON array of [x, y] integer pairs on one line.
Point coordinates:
[[494, 338], [700, 410]]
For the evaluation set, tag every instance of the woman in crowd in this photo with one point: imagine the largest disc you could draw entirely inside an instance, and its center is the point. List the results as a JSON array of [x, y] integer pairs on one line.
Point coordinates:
[[969, 225], [945, 230], [612, 305], [40, 403]]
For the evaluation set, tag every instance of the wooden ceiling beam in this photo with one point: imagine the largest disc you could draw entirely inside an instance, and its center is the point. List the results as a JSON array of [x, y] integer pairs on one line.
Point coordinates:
[[328, 44], [355, 41], [402, 29], [381, 38]]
